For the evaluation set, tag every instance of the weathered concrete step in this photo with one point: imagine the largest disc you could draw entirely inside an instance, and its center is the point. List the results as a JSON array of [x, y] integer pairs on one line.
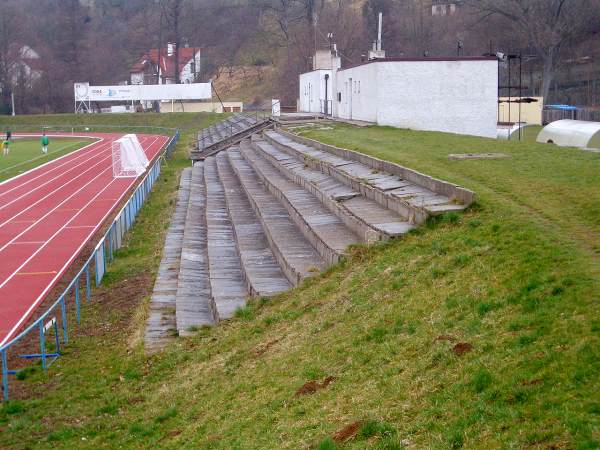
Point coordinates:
[[294, 253], [264, 277], [194, 303], [365, 217], [227, 282], [325, 231], [407, 198], [161, 325]]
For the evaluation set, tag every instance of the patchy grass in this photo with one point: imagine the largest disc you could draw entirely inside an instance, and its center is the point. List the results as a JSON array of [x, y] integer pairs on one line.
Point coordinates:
[[479, 330]]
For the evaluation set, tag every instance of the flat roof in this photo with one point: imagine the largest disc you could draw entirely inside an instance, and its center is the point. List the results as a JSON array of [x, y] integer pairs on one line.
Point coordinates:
[[425, 59]]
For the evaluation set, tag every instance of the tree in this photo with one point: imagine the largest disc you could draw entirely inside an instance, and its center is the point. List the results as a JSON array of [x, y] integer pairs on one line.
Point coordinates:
[[548, 26]]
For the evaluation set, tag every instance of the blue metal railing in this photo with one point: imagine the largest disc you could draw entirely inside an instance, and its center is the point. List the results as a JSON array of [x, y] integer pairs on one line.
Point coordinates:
[[102, 255]]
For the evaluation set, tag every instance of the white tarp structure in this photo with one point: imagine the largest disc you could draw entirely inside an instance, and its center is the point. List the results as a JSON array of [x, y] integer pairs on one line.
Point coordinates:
[[128, 157], [85, 94], [571, 133]]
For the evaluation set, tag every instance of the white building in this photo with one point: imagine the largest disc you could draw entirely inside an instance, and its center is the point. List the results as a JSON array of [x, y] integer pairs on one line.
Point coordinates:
[[147, 69], [455, 95], [316, 86]]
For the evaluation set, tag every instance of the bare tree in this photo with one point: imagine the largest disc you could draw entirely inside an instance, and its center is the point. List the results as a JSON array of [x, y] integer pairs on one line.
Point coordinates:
[[548, 26]]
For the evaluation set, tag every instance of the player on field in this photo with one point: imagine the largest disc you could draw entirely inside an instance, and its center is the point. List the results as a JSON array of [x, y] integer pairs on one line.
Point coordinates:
[[6, 147], [45, 141], [8, 135]]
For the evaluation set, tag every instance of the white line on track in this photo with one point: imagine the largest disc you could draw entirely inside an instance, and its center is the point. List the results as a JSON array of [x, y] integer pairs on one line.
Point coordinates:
[[29, 192], [47, 195], [78, 154], [34, 223], [59, 273], [72, 144]]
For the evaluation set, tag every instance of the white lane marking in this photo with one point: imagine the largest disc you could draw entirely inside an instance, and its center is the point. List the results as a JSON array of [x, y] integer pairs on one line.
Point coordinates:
[[78, 154], [50, 285], [31, 191], [34, 223], [72, 144]]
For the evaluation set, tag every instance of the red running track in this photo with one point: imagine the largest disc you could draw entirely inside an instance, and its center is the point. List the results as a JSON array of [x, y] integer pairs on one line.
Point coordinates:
[[48, 215]]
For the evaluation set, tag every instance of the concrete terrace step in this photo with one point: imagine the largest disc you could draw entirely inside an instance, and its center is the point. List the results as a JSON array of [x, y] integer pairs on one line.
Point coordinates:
[[264, 277], [225, 268], [294, 253], [407, 198], [325, 231], [363, 216], [161, 324], [194, 303]]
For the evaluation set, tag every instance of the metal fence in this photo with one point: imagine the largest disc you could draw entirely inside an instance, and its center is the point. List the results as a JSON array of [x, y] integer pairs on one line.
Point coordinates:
[[48, 323], [580, 113]]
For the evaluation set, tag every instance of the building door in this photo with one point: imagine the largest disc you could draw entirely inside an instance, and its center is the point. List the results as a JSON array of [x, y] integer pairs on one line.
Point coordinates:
[[349, 97]]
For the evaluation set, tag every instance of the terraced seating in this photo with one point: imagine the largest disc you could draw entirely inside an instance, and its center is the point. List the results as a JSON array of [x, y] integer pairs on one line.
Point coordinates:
[[228, 132], [261, 216], [409, 193]]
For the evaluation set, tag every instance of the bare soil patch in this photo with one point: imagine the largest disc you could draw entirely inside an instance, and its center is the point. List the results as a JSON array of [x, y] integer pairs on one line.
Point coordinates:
[[313, 386]]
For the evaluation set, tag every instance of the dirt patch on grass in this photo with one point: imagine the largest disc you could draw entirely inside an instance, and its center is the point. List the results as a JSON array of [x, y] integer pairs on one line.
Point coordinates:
[[348, 432], [262, 348], [110, 321], [461, 348], [313, 386]]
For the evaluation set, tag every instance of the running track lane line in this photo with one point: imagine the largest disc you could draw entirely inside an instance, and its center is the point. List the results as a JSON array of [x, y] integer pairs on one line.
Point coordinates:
[[40, 157], [60, 187], [60, 273], [77, 153], [66, 173], [37, 222]]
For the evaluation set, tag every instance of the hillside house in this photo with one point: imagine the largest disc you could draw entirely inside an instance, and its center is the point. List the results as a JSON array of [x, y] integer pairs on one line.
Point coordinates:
[[147, 70]]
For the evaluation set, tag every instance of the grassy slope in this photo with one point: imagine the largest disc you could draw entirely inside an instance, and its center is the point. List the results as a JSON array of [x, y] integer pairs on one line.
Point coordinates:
[[517, 278], [26, 154]]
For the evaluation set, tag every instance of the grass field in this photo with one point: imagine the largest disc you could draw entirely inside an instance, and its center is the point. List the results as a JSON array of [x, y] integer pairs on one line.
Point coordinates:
[[479, 330], [25, 154]]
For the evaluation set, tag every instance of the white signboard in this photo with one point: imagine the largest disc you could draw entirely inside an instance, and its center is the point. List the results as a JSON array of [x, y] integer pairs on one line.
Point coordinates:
[[275, 108], [193, 91]]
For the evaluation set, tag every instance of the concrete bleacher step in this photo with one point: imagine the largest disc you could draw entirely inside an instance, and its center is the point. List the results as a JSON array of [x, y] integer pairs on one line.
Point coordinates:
[[407, 198], [294, 253], [264, 277], [161, 325], [194, 305], [227, 281], [365, 217], [325, 231]]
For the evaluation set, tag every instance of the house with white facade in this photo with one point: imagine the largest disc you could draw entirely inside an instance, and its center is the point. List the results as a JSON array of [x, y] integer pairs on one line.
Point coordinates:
[[454, 94], [159, 68]]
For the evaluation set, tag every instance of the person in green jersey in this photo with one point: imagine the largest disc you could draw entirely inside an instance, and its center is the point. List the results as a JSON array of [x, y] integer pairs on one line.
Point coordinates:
[[6, 147], [45, 141]]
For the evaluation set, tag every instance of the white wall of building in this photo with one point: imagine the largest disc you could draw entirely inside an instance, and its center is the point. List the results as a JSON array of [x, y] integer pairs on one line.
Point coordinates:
[[455, 96], [312, 91], [357, 93]]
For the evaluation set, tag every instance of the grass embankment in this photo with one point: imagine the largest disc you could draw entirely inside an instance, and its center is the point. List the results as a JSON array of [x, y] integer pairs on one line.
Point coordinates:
[[26, 154], [479, 330]]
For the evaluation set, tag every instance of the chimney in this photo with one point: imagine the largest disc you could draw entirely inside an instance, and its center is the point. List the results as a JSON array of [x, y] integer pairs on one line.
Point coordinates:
[[170, 49], [377, 52]]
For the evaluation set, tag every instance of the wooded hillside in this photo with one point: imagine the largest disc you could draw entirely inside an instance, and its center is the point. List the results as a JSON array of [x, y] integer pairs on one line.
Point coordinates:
[[99, 40]]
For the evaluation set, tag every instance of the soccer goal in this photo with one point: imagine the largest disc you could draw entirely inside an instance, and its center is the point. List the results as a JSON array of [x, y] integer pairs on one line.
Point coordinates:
[[128, 157]]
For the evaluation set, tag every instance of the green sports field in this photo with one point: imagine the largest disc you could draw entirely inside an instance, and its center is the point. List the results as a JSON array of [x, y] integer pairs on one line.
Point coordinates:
[[25, 154]]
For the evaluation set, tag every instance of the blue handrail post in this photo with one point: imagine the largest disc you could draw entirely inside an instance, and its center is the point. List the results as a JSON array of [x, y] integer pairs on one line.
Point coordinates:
[[88, 289], [77, 306], [63, 311], [4, 376], [43, 345], [56, 337]]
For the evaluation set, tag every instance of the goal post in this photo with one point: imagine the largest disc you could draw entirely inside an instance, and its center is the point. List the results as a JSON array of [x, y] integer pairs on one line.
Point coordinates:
[[128, 157]]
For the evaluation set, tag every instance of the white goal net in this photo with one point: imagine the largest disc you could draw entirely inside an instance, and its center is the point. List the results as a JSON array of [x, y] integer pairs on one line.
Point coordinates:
[[128, 157]]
